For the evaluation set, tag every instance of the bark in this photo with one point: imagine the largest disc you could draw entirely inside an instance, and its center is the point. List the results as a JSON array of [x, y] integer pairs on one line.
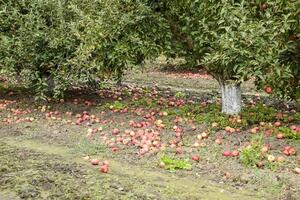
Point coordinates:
[[50, 82], [231, 98]]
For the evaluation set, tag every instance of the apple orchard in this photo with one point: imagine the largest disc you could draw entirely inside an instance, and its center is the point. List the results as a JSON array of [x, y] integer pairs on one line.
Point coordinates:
[[140, 99]]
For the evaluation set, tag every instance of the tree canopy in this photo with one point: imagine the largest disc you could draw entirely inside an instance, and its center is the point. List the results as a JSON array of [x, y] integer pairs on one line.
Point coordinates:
[[79, 40]]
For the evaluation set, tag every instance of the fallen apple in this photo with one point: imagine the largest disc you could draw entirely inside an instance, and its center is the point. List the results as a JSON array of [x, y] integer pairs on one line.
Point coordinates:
[[218, 141], [268, 89], [95, 161], [235, 153], [280, 159], [279, 136], [115, 131], [106, 162], [271, 158], [196, 158], [227, 153], [264, 149], [297, 170], [104, 168], [277, 123], [87, 158], [292, 151], [179, 150]]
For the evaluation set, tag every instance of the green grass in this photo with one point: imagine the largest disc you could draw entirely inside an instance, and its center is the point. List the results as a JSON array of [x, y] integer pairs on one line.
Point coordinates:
[[175, 164], [116, 105], [252, 155], [288, 133]]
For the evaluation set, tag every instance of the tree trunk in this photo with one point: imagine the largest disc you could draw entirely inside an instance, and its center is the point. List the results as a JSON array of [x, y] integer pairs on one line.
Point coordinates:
[[231, 98], [50, 82]]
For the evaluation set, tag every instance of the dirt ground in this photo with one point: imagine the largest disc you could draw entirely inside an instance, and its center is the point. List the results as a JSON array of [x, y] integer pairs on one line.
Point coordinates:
[[42, 153]]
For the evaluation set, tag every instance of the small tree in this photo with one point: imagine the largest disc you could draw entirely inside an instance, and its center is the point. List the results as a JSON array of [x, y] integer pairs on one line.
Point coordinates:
[[237, 40], [60, 43]]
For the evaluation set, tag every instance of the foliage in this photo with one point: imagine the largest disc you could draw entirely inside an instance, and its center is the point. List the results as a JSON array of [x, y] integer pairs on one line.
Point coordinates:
[[55, 44], [237, 40], [51, 45], [173, 164], [252, 155], [259, 113], [180, 95], [144, 102]]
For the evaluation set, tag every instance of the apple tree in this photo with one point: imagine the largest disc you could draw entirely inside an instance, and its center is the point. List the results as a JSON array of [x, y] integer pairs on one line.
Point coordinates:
[[236, 40], [52, 45]]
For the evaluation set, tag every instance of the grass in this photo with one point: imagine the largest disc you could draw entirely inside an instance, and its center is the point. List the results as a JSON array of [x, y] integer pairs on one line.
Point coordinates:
[[145, 102], [288, 133], [116, 105], [174, 163], [89, 147], [251, 155], [180, 95]]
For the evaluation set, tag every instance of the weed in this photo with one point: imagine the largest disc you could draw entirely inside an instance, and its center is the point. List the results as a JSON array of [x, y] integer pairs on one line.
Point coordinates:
[[144, 102], [180, 95], [288, 133], [259, 113], [116, 105], [173, 164], [252, 155]]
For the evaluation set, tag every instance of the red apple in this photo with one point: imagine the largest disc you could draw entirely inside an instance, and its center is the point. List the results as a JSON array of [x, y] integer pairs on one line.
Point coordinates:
[[292, 151], [227, 153], [115, 131], [104, 168], [106, 162], [286, 152], [95, 161], [235, 153], [268, 89], [227, 128], [279, 136], [196, 158], [277, 123]]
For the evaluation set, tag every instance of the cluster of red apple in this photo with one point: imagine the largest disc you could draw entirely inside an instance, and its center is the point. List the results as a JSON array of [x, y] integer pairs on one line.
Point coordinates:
[[289, 151], [5, 103], [146, 140], [16, 113], [234, 153]]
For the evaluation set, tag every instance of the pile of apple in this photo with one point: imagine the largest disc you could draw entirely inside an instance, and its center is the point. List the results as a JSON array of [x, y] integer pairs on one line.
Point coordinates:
[[5, 103], [146, 140]]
